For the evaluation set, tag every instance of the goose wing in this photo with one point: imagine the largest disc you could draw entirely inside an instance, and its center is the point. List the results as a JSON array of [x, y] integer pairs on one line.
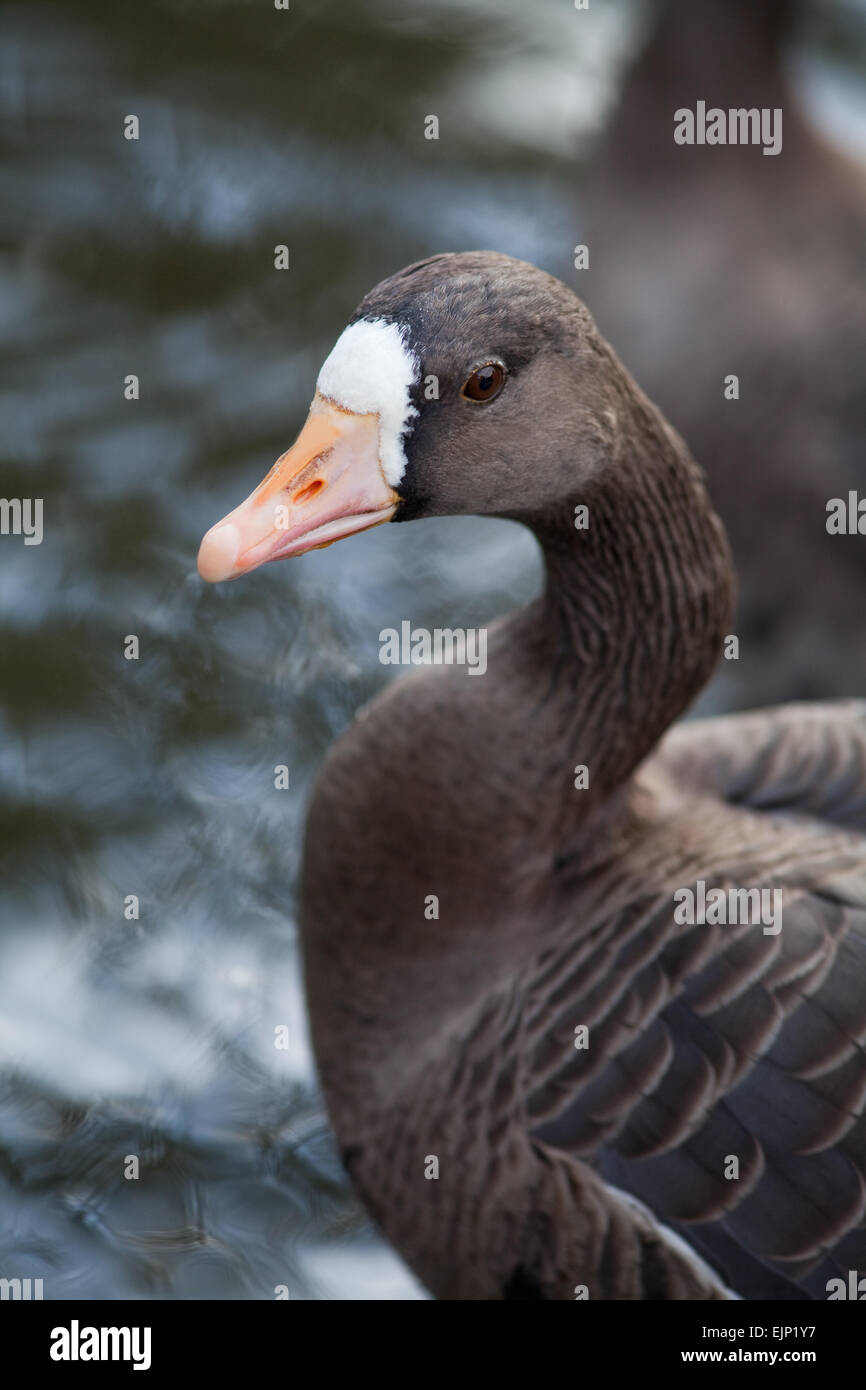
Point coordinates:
[[721, 1078]]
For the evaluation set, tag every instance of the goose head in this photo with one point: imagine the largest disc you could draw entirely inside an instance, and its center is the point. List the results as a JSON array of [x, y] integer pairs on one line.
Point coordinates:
[[466, 383]]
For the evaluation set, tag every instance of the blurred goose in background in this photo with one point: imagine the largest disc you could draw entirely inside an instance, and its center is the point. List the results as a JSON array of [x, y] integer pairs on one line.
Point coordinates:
[[712, 260], [545, 1080]]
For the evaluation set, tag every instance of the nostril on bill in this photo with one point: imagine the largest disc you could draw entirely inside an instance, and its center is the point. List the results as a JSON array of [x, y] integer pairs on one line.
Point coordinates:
[[307, 493]]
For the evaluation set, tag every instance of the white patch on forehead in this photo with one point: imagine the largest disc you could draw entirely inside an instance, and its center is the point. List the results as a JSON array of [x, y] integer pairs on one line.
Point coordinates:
[[370, 370]]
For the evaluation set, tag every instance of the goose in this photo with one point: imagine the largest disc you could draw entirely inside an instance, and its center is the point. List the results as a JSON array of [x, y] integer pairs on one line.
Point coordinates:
[[709, 261], [544, 1080]]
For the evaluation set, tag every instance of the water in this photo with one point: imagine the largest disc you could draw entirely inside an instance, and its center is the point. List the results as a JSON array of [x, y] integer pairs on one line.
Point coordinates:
[[154, 1037]]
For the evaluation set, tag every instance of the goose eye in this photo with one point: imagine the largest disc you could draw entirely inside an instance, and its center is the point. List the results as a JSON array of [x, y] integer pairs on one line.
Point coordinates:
[[485, 382]]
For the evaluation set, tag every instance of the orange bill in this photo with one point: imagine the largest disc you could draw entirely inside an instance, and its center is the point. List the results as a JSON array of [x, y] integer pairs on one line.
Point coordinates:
[[329, 485]]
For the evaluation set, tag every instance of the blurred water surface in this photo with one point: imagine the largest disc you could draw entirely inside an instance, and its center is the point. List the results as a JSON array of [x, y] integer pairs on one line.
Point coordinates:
[[155, 777]]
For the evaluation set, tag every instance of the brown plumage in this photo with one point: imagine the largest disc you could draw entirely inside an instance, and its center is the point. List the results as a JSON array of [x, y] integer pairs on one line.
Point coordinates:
[[454, 1038], [708, 261]]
